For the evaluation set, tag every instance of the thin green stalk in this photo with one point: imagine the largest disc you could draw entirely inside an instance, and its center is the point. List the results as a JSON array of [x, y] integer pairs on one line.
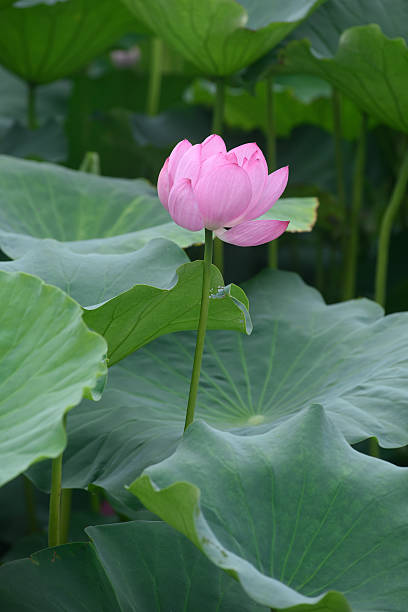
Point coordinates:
[[219, 104], [332, 269], [91, 163], [66, 501], [273, 254], [385, 231], [95, 502], [54, 521], [271, 154], [31, 106], [270, 124], [340, 175], [202, 326], [338, 151], [357, 197], [374, 449], [155, 76], [217, 127], [29, 494]]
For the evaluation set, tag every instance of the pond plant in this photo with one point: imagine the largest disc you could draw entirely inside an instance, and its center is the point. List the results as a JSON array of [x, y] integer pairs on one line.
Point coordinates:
[[172, 441]]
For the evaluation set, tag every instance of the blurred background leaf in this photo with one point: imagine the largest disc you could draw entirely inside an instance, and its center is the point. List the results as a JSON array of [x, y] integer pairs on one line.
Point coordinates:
[[44, 41]]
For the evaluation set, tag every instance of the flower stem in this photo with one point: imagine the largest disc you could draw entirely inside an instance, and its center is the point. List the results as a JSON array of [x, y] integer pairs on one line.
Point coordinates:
[[54, 521], [352, 243], [29, 494], [374, 448], [217, 127], [91, 164], [218, 113], [202, 326], [385, 231], [341, 190], [31, 107], [66, 499], [95, 502], [271, 149], [338, 151], [155, 76]]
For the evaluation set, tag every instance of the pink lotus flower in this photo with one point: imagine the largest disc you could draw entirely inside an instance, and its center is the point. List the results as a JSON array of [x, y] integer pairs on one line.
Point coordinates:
[[203, 185]]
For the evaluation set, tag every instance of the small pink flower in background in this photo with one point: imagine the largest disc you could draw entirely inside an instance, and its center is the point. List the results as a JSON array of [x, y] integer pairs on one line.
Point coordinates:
[[203, 185], [122, 58]]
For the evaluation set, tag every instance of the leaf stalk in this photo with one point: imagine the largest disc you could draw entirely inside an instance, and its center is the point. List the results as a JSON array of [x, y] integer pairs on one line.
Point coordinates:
[[202, 327], [385, 231], [31, 106], [353, 238], [54, 520], [155, 77]]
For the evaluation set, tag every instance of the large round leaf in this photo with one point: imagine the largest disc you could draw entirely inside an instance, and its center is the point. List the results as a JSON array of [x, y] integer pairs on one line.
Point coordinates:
[[144, 313], [48, 361], [139, 566], [348, 357], [93, 279], [222, 36], [325, 26], [94, 214], [132, 298], [303, 521], [44, 41], [367, 62], [90, 213]]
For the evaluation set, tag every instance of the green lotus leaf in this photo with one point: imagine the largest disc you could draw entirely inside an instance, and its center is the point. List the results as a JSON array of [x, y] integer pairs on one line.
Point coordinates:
[[347, 357], [302, 213], [49, 360], [45, 41], [222, 36], [94, 279], [367, 67], [144, 313], [132, 298], [298, 99], [51, 99], [143, 566], [325, 26], [6, 3], [329, 21], [42, 593], [91, 214], [46, 142], [301, 519]]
